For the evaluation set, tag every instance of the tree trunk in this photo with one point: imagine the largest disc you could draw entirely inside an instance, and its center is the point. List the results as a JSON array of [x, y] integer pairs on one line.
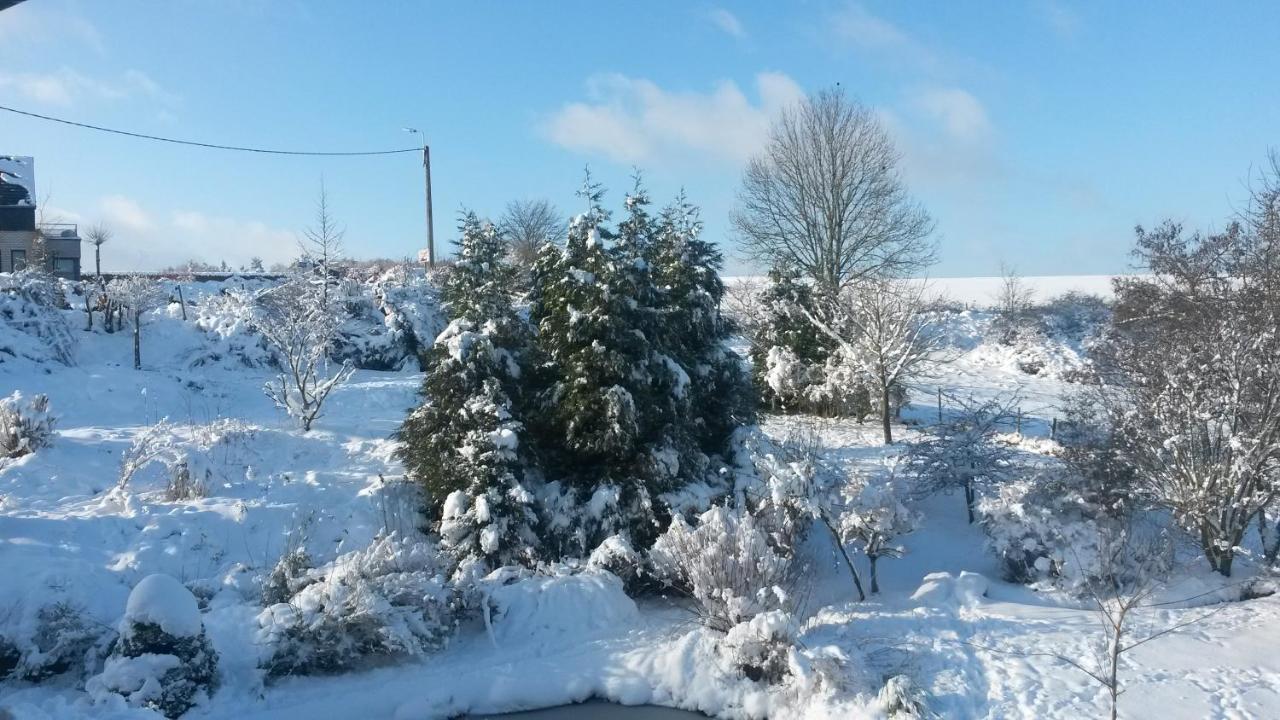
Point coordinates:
[[97, 261], [182, 303], [884, 413], [969, 497], [137, 341], [875, 581], [88, 313], [835, 537]]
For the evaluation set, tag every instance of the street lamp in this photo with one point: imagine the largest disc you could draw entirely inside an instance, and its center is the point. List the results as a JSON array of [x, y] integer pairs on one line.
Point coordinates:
[[426, 165]]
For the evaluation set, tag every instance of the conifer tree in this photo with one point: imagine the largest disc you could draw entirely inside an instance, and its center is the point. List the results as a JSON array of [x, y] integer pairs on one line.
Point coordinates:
[[787, 298], [598, 407], [464, 442], [686, 271]]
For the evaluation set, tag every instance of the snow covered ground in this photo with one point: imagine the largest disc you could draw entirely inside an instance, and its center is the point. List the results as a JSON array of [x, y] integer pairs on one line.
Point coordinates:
[[67, 533]]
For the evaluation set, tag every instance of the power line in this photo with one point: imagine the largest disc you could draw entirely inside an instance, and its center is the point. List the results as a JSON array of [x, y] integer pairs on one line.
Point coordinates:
[[193, 143]]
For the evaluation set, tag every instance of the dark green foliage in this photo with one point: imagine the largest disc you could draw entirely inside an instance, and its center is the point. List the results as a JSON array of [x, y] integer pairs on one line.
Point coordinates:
[[195, 674], [787, 298], [463, 442]]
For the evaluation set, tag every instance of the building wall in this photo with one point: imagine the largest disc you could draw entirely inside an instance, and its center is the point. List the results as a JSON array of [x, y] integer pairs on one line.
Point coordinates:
[[11, 240], [65, 248]]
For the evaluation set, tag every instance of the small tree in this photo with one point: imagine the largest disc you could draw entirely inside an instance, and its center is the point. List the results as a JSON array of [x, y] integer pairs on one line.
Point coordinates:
[[874, 515], [137, 295], [528, 225], [883, 330], [962, 453], [322, 245], [300, 328], [98, 235]]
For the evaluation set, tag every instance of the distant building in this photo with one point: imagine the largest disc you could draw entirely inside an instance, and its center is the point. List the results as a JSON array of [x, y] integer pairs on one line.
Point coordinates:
[[21, 237]]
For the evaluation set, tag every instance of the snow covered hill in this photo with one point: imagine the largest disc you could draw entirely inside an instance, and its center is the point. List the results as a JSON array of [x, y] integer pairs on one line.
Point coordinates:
[[75, 542]]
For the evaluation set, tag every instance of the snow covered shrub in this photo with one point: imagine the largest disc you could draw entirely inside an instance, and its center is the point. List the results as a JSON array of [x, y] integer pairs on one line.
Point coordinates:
[[788, 352], [902, 699], [964, 452], [163, 660], [227, 320], [186, 484], [617, 556], [762, 647], [287, 577], [32, 325], [300, 328], [558, 603], [57, 639], [24, 428], [386, 601], [1042, 529], [874, 515], [726, 565], [153, 443]]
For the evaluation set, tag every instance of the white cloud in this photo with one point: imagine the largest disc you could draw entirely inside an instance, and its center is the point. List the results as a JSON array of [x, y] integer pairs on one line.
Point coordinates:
[[728, 22], [124, 212], [67, 87], [859, 27], [961, 115], [30, 25], [146, 239], [634, 120], [1064, 21]]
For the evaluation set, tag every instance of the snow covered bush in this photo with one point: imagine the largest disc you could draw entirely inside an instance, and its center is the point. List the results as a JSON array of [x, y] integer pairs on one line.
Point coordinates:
[[386, 601], [32, 325], [138, 295], [873, 514], [558, 603], [227, 318], [726, 565], [153, 443], [58, 639], [287, 577], [964, 453], [1045, 528], [300, 327], [162, 659], [762, 648], [24, 427]]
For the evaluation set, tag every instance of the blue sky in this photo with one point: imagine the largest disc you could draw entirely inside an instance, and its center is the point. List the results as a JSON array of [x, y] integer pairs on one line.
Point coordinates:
[[1037, 133]]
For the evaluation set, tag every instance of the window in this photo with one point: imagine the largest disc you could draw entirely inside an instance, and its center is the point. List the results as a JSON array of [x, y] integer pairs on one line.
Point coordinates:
[[18, 259], [65, 266]]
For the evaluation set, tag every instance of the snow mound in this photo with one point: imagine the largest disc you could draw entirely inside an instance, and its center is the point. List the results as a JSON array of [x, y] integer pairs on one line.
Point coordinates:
[[562, 607], [161, 600], [943, 588]]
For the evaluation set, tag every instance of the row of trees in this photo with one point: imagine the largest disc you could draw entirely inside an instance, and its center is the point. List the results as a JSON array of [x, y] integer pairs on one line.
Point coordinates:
[[540, 436]]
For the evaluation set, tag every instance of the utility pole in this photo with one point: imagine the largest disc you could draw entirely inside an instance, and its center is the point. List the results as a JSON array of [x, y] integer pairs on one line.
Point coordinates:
[[426, 167]]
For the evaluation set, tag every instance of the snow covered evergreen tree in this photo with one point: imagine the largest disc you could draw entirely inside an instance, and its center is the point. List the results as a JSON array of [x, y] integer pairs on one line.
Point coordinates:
[[789, 353], [464, 442], [686, 271]]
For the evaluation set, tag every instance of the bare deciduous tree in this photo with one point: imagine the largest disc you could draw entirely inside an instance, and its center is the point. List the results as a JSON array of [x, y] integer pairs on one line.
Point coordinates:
[[528, 225], [322, 244], [138, 295], [826, 197], [1194, 358], [1014, 297], [300, 328], [97, 236], [881, 327]]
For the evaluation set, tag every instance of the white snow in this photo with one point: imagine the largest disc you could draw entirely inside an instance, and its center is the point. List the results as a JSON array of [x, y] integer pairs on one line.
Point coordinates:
[[944, 619], [162, 600]]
